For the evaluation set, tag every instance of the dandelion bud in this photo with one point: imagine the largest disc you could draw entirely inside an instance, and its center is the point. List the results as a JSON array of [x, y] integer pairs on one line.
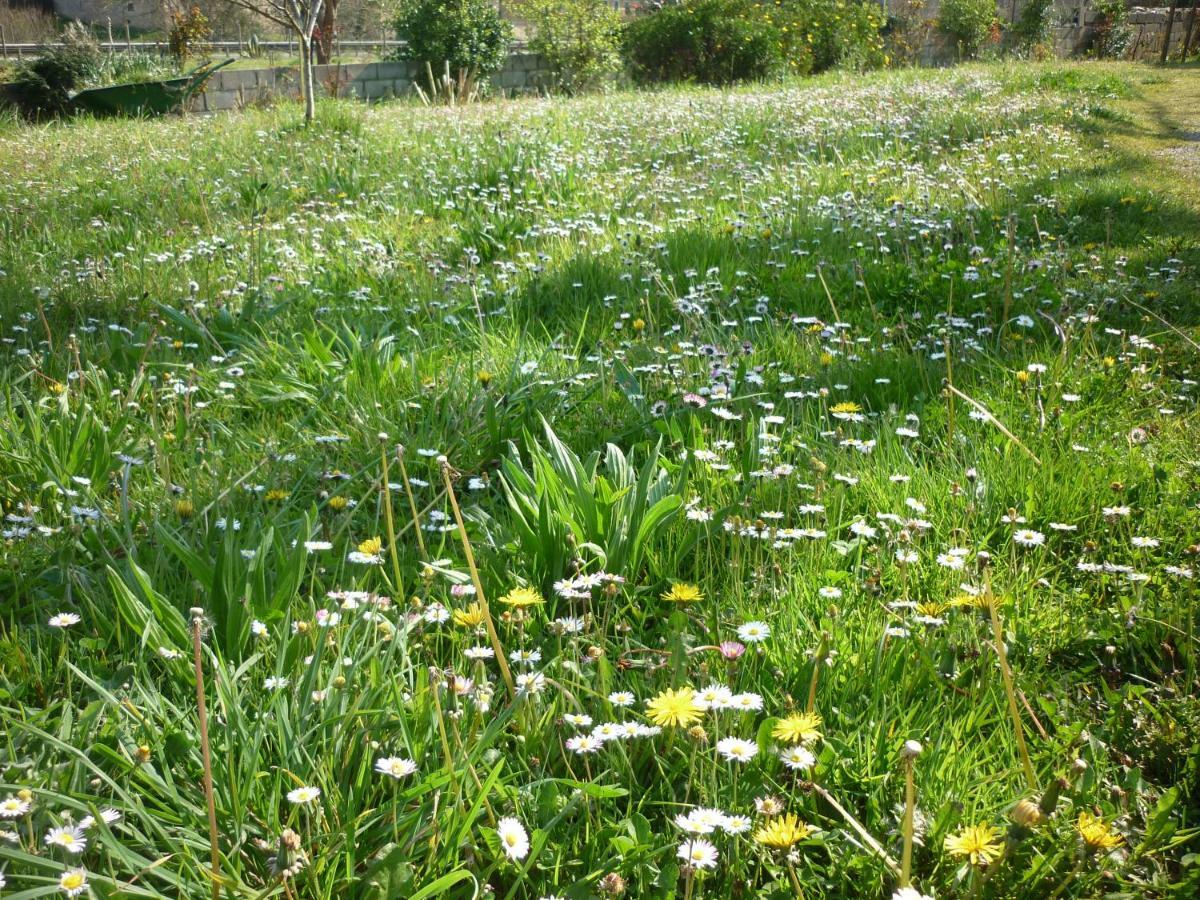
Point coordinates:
[[595, 653], [184, 508], [289, 859], [698, 734], [612, 884], [143, 754], [1026, 814], [768, 806], [1078, 767]]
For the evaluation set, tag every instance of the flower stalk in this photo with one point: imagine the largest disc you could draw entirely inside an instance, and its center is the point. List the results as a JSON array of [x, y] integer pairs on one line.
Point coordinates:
[[205, 751]]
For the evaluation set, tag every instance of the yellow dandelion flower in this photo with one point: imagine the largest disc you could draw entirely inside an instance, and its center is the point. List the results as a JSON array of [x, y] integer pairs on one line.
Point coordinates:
[[370, 546], [847, 407], [978, 843], [675, 707], [798, 728], [683, 593], [471, 617], [1096, 833], [184, 508], [522, 597], [337, 504], [782, 832], [275, 495]]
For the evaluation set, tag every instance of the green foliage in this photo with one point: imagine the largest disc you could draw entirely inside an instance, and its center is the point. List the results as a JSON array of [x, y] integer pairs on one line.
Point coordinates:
[[189, 31], [1113, 32], [470, 35], [42, 86], [197, 399], [705, 41], [580, 39], [1032, 27], [722, 41], [564, 507], [967, 23]]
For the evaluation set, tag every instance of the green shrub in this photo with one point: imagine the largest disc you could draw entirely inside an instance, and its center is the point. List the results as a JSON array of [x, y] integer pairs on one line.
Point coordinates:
[[718, 41], [470, 35], [967, 23], [706, 41], [579, 39], [42, 86], [845, 33], [1032, 27], [1112, 31]]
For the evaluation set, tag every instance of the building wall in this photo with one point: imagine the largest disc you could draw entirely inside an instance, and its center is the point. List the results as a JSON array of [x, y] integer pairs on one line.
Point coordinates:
[[142, 15]]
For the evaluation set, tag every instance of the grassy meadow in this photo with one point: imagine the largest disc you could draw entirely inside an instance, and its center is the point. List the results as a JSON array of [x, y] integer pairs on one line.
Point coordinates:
[[780, 492]]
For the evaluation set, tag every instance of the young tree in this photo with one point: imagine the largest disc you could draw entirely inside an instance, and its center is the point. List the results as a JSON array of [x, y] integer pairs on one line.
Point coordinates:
[[301, 17]]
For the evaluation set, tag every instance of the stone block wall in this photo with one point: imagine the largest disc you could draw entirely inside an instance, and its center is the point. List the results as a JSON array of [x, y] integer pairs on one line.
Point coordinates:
[[522, 73]]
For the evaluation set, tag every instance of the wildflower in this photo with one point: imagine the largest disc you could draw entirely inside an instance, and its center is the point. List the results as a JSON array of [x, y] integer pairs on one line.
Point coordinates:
[[13, 807], [583, 743], [683, 593], [471, 617], [909, 893], [108, 815], [73, 882], [798, 728], [513, 839], [736, 824], [798, 758], [768, 806], [698, 854], [754, 632], [731, 650], [674, 707], [621, 698], [303, 795], [64, 620], [1096, 833], [71, 839], [184, 508], [530, 683], [747, 702], [1027, 537], [522, 597], [258, 629], [736, 749], [782, 832], [395, 766], [980, 844]]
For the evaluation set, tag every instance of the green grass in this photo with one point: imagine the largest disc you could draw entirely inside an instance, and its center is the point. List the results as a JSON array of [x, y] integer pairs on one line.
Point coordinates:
[[627, 322]]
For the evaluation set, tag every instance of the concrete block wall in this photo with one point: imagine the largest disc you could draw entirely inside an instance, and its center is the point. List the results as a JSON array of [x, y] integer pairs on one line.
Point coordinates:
[[522, 73]]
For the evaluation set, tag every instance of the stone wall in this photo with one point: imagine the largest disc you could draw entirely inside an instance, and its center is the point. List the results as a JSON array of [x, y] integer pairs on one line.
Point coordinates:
[[522, 73]]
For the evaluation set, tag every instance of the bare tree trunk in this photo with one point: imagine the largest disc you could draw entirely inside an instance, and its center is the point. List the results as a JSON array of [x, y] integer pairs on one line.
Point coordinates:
[[307, 88], [1166, 41], [1187, 36], [325, 32]]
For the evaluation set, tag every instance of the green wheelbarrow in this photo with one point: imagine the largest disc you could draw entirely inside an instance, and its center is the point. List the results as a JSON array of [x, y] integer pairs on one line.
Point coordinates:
[[144, 98]]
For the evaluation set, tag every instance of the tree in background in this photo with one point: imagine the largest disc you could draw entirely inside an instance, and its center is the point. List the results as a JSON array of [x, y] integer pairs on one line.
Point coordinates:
[[579, 39], [468, 36], [301, 18]]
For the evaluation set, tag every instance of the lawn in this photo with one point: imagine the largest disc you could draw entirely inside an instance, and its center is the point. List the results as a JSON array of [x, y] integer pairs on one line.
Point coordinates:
[[787, 491]]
